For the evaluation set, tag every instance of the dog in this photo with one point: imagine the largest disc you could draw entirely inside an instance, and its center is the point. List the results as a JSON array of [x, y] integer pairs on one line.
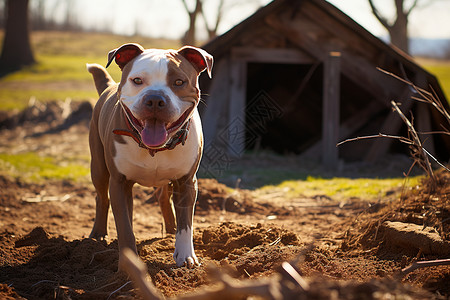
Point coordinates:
[[146, 129]]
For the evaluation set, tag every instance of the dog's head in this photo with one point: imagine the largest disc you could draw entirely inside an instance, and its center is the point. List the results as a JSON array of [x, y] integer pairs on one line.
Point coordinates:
[[159, 88]]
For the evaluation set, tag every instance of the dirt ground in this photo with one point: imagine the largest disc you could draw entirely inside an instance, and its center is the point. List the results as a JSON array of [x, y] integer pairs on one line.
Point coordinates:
[[342, 247]]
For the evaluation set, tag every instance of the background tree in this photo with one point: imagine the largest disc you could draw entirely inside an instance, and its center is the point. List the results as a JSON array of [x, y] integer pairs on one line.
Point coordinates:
[[212, 29], [16, 50], [212, 19], [398, 28], [190, 36]]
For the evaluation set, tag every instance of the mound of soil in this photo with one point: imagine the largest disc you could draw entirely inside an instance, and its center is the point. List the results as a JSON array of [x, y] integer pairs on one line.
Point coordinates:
[[415, 228]]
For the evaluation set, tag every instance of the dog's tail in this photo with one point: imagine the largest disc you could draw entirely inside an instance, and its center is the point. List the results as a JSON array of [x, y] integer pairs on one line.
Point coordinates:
[[102, 78]]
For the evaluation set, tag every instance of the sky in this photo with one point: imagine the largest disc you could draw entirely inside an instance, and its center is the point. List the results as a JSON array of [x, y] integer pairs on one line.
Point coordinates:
[[167, 18]]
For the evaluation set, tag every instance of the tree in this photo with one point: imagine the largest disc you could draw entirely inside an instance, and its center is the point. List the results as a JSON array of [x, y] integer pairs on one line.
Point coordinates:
[[398, 29], [16, 51], [189, 37], [212, 29], [214, 18]]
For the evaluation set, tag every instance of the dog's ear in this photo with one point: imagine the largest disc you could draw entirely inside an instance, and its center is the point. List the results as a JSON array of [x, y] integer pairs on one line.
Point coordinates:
[[199, 58], [124, 54]]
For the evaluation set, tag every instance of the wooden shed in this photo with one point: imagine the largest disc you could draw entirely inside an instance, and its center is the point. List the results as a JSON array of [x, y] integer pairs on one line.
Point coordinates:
[[299, 75]]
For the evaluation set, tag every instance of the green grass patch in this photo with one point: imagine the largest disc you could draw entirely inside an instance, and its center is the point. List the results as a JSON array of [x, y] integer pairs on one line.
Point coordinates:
[[31, 166], [57, 68], [60, 71], [364, 188], [441, 69]]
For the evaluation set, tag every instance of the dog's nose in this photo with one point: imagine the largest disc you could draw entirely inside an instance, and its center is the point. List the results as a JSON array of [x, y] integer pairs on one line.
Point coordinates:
[[155, 101]]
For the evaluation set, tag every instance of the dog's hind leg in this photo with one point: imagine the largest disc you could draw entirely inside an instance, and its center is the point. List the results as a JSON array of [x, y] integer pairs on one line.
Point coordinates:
[[163, 195], [100, 179]]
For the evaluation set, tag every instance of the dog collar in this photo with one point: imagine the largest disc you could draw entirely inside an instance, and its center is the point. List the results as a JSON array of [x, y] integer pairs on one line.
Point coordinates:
[[179, 137]]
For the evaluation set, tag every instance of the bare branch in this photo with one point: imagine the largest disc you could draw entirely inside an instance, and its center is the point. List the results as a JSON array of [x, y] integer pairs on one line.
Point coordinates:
[[440, 164], [380, 18], [137, 270], [423, 157], [400, 138], [424, 264], [427, 97], [185, 6], [414, 5]]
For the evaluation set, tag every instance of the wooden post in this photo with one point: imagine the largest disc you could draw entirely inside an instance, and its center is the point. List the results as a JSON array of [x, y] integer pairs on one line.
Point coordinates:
[[331, 109], [217, 102], [236, 114]]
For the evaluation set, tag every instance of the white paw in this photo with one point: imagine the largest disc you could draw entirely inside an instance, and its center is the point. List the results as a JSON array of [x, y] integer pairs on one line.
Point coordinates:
[[184, 249]]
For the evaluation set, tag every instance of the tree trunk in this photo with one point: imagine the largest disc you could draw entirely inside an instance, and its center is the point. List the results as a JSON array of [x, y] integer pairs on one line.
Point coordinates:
[[399, 32], [16, 50], [189, 37]]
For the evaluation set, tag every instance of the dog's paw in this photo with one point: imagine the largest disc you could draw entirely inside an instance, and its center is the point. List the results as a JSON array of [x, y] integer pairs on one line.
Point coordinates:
[[189, 261], [184, 254], [99, 236]]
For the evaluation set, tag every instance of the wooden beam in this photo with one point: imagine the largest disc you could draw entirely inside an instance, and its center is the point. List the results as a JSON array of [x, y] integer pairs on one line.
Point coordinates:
[[391, 126], [356, 68], [393, 122], [235, 130], [331, 109], [348, 127], [219, 97], [269, 55]]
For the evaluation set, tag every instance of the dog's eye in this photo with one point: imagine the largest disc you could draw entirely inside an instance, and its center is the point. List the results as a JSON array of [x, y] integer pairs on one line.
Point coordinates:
[[137, 81], [178, 82]]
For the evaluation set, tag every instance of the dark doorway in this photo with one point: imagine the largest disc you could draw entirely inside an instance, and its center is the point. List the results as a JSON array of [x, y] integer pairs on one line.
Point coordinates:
[[284, 106]]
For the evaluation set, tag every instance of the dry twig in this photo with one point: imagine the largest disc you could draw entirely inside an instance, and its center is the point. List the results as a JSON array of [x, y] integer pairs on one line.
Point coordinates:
[[100, 252], [424, 264], [137, 270]]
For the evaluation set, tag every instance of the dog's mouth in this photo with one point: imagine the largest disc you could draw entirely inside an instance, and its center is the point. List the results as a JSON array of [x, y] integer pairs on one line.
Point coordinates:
[[156, 133]]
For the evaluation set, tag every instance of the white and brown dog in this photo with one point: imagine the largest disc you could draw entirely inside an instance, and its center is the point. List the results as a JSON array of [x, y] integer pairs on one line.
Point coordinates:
[[147, 130]]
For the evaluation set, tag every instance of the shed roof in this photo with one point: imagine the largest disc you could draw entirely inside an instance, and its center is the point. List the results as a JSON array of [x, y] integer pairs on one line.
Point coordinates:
[[315, 28]]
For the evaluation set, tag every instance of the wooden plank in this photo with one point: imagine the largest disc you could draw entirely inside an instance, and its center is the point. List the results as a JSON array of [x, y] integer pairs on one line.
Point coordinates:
[[348, 127], [269, 55], [331, 110], [217, 101], [358, 69], [235, 131], [390, 126], [393, 122]]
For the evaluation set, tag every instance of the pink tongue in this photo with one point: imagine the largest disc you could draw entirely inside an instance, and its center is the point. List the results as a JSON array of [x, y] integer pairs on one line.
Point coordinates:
[[154, 133]]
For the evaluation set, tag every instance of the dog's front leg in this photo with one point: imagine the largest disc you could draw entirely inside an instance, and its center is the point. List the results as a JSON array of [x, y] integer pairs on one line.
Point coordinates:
[[121, 197], [184, 197]]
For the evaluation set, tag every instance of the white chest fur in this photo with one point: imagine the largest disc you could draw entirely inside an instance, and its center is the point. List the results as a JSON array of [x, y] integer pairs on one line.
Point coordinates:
[[139, 166]]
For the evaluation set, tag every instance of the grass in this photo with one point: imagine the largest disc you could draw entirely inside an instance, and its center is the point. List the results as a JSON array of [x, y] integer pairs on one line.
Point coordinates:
[[33, 167], [57, 68], [60, 71], [364, 188], [442, 71]]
